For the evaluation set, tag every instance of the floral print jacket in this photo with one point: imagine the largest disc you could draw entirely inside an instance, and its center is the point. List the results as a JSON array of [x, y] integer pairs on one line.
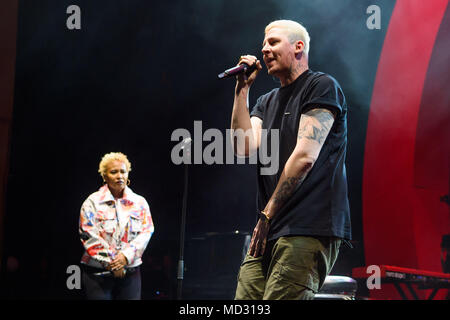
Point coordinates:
[[108, 226]]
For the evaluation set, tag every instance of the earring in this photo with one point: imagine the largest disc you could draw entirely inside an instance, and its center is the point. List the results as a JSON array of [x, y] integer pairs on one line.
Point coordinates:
[[128, 182]]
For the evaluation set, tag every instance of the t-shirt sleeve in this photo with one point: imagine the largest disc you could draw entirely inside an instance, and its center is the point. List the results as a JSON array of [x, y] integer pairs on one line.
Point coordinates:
[[325, 92], [259, 108]]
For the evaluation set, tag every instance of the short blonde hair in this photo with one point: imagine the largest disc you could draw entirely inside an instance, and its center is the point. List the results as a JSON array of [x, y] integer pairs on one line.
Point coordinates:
[[295, 31], [112, 156]]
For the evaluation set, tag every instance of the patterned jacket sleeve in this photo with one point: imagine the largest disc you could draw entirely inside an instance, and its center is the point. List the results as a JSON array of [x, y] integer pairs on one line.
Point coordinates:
[[135, 248], [90, 237]]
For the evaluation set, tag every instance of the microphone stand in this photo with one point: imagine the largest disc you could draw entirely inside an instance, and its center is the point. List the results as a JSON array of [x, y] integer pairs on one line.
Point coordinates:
[[180, 273]]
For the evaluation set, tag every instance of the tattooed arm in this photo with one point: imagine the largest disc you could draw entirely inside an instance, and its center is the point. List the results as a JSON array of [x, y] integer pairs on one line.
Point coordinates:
[[313, 130]]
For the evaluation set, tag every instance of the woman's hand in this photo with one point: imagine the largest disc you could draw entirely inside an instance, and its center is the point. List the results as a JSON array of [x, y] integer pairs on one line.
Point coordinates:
[[119, 262], [119, 273]]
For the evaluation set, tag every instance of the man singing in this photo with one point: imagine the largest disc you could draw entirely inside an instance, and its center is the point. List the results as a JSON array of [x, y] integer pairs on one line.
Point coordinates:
[[303, 209]]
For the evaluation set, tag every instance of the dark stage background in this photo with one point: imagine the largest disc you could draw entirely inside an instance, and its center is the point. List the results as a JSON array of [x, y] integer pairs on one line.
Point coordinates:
[[136, 71]]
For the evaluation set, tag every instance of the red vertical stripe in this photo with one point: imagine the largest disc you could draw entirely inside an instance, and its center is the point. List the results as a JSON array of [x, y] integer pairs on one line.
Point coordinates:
[[388, 178]]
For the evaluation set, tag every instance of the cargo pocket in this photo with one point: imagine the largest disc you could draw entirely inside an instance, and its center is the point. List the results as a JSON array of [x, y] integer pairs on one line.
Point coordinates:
[[298, 270], [300, 275], [290, 282]]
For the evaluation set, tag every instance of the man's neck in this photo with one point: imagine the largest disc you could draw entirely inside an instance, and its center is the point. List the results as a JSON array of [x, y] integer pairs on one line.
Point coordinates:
[[294, 72]]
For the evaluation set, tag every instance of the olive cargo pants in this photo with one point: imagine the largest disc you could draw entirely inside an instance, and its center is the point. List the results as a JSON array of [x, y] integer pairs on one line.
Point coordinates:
[[292, 267]]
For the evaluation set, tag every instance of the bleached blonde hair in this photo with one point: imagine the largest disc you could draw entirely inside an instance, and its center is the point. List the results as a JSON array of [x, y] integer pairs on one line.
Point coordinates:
[[295, 31], [107, 158]]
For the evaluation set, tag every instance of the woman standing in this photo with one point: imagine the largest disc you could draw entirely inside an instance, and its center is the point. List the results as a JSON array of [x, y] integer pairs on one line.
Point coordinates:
[[115, 227]]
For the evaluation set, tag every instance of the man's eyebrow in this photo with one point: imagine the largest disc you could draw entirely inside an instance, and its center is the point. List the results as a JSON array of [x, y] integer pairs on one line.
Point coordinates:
[[269, 38]]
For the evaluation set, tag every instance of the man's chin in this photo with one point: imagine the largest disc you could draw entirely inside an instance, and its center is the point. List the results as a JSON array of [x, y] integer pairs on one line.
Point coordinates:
[[272, 72]]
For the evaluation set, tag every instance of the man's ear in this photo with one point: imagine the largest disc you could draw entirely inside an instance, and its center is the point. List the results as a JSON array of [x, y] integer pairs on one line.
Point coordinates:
[[299, 46]]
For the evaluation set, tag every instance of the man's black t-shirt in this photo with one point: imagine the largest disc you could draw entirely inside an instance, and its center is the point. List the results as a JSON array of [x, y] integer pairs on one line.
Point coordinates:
[[319, 206]]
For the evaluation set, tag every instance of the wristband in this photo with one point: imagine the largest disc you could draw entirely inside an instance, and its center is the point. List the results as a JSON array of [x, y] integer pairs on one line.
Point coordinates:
[[263, 216]]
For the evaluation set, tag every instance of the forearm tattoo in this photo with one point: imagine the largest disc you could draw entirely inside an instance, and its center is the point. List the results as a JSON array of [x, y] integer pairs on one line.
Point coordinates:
[[315, 125], [286, 189], [288, 186]]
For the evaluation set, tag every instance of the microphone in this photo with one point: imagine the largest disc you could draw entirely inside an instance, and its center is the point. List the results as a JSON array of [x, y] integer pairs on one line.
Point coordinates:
[[242, 68]]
